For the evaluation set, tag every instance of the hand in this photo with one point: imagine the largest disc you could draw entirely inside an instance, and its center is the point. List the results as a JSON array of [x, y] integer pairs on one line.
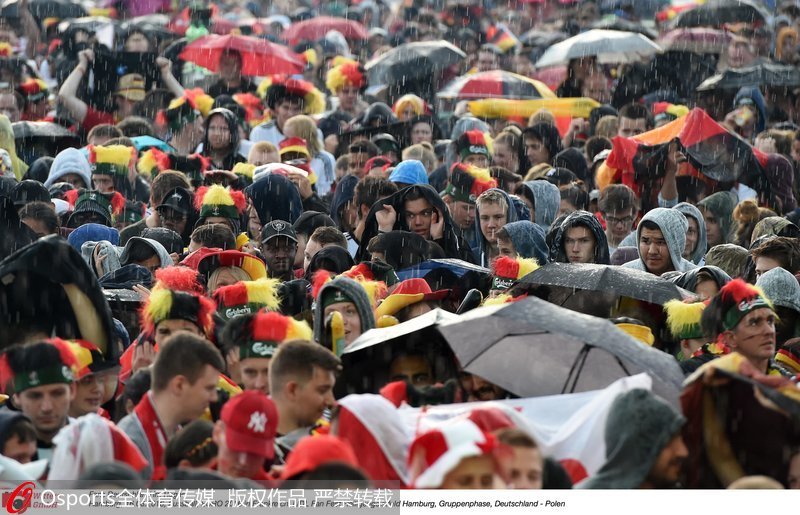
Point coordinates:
[[675, 158], [232, 358], [577, 126], [437, 226], [164, 64], [98, 262], [143, 356], [386, 218], [176, 259], [86, 57], [302, 183], [143, 292], [766, 145]]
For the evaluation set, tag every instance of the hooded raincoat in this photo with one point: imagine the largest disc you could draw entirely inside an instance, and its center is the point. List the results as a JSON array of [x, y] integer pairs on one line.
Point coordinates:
[[700, 250], [353, 291], [673, 226], [481, 249], [529, 240], [546, 202], [588, 220]]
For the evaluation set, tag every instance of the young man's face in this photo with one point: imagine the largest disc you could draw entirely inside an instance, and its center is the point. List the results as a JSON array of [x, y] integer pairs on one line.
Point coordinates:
[[413, 369], [350, 317], [47, 406], [419, 215], [195, 397], [629, 127], [356, 164], [89, 395], [506, 248], [75, 180], [668, 468], [286, 109], [348, 96], [491, 218], [579, 245], [764, 264], [255, 374], [475, 473], [20, 451], [479, 160], [536, 151], [313, 397], [524, 468], [692, 236], [421, 132], [463, 214], [312, 247], [654, 251], [279, 253], [172, 219], [504, 157], [713, 229], [167, 328], [618, 224], [103, 183]]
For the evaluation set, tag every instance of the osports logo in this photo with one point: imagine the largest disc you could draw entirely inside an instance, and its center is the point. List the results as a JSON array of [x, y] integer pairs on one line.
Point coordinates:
[[20, 499]]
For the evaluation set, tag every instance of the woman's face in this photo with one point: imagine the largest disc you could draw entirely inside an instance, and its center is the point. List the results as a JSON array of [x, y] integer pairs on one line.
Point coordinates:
[[350, 317], [713, 229], [503, 156], [219, 134]]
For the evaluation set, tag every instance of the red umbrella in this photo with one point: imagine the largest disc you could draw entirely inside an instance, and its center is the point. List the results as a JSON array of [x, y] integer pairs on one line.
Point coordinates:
[[316, 28], [259, 56]]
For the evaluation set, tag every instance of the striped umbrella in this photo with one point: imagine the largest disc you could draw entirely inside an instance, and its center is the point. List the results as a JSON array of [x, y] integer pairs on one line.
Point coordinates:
[[495, 84]]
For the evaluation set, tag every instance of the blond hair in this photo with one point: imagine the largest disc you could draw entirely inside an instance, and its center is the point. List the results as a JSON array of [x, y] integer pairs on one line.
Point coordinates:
[[421, 153], [303, 126], [607, 126]]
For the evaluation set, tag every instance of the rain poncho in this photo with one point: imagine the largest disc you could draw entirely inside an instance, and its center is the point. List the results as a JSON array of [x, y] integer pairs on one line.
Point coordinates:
[[722, 205], [274, 197], [68, 161], [700, 250], [7, 143], [673, 226], [529, 240], [480, 250], [638, 427], [451, 242], [585, 219], [546, 202]]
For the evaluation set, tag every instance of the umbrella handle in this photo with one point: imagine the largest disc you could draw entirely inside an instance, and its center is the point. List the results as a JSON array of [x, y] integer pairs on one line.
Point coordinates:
[[575, 371]]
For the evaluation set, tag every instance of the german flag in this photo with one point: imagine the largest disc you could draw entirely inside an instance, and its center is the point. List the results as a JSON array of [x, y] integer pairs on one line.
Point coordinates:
[[714, 154], [502, 37]]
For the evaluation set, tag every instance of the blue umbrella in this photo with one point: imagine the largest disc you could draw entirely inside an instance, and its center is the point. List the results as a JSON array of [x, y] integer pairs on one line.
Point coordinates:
[[143, 143]]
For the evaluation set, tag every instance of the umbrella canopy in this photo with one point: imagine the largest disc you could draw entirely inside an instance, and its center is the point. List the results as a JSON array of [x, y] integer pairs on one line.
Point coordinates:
[[533, 348], [41, 9], [717, 13], [698, 40], [315, 29], [764, 74], [539, 38], [44, 131], [366, 361], [90, 24], [495, 84], [259, 56], [624, 282], [609, 46], [143, 143], [413, 60], [614, 22]]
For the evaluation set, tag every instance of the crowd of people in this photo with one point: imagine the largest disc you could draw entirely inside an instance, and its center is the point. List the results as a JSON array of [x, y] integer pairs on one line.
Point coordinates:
[[189, 256]]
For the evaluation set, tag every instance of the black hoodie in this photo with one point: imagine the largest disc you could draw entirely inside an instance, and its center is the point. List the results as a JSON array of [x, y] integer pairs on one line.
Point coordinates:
[[452, 242], [587, 220], [233, 156]]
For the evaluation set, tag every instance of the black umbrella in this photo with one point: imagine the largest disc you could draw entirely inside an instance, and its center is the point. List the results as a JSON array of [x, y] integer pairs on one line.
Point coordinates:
[[411, 62], [625, 282], [533, 348], [366, 361], [44, 132], [538, 38], [717, 13], [48, 288], [764, 74], [41, 9]]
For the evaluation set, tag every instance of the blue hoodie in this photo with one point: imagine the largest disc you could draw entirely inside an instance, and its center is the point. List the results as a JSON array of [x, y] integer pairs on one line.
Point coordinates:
[[410, 171], [480, 250], [754, 94], [529, 240], [547, 200]]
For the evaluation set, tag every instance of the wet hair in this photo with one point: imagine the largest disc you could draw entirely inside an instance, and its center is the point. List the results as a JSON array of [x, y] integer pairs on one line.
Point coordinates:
[[617, 197], [23, 429], [502, 234], [370, 189], [42, 212], [137, 386], [192, 443], [504, 176], [122, 140], [235, 271], [295, 361], [329, 236], [104, 130], [187, 355], [785, 251], [637, 112], [139, 251], [595, 145], [575, 195], [165, 182], [366, 146], [214, 236], [492, 197], [135, 126], [515, 437]]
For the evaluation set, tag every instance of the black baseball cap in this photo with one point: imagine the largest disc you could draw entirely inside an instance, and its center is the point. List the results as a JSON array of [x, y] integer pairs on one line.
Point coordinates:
[[308, 222], [29, 191], [278, 228], [178, 199]]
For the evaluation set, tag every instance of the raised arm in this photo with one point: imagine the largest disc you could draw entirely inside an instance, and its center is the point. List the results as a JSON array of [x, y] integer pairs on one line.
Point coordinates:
[[68, 94]]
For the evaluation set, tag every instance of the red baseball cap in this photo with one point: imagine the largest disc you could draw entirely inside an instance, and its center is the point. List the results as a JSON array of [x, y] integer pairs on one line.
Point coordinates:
[[313, 451], [251, 421]]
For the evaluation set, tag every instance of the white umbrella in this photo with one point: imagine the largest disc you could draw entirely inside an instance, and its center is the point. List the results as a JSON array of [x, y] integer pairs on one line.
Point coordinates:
[[609, 46]]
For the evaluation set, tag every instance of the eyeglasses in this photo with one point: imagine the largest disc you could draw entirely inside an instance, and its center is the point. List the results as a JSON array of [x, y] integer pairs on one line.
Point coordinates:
[[613, 220], [428, 213], [171, 215]]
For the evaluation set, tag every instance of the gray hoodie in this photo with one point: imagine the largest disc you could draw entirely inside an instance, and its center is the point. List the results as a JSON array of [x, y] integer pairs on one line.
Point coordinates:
[[159, 249], [781, 287], [529, 240], [638, 427], [353, 291], [673, 226], [109, 263], [700, 250], [546, 202], [479, 250], [70, 160]]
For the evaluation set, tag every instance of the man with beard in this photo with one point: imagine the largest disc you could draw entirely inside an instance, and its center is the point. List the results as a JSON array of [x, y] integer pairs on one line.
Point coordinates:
[[279, 245]]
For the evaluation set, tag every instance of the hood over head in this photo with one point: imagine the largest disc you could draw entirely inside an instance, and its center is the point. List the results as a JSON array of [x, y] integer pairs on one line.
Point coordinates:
[[588, 220], [702, 243]]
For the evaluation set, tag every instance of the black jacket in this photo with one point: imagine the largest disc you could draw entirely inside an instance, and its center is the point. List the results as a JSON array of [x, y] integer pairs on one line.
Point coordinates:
[[585, 219]]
